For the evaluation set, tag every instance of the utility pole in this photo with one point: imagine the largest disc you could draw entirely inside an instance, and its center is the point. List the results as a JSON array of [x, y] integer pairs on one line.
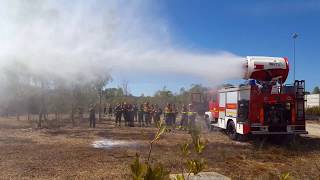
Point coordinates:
[[294, 36]]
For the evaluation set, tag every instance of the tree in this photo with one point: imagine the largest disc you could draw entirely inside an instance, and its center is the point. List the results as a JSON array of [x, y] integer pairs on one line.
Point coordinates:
[[316, 90], [100, 84], [125, 87]]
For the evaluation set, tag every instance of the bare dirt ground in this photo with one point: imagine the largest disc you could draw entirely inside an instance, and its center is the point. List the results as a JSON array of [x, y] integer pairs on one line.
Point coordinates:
[[313, 127], [67, 153]]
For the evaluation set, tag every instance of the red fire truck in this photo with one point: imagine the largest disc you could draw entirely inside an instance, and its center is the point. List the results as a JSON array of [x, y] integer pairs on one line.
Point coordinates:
[[264, 105]]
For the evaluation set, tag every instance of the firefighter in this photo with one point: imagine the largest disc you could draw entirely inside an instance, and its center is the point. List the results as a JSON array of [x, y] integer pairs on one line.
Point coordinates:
[[118, 114], [174, 115], [92, 115], [135, 112], [156, 114], [140, 116], [125, 112], [147, 114], [168, 114], [191, 116], [110, 110], [104, 110], [184, 116], [130, 115], [151, 110]]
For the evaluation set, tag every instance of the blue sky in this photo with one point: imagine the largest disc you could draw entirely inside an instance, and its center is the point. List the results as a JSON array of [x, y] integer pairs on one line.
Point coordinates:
[[241, 27]]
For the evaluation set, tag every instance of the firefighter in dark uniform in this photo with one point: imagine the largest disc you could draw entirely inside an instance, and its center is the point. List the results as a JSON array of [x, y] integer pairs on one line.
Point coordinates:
[[130, 115], [92, 116], [184, 116], [157, 114], [110, 110], [140, 116], [105, 110], [125, 113], [147, 114], [118, 114], [175, 114], [168, 114]]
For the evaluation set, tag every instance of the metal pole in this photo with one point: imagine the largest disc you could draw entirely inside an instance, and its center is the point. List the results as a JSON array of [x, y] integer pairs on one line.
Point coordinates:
[[294, 59], [294, 36]]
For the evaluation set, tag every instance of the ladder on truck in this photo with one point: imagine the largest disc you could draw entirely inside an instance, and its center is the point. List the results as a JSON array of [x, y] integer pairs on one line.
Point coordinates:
[[300, 102]]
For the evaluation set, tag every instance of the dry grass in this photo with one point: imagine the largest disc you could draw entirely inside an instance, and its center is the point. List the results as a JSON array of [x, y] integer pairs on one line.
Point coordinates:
[[66, 152]]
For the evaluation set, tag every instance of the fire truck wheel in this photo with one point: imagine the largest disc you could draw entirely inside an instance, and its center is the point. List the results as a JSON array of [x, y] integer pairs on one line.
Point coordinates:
[[231, 130], [242, 137]]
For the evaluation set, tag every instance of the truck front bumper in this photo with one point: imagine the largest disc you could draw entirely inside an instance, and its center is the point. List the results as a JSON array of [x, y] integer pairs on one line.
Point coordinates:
[[289, 129]]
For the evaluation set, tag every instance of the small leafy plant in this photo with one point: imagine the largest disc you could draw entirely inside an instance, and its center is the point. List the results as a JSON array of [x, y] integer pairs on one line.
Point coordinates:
[[285, 176], [158, 172], [195, 164], [191, 161], [137, 168], [147, 171]]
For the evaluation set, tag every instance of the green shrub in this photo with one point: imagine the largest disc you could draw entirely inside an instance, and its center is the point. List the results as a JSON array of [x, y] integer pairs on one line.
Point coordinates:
[[138, 169], [285, 176], [195, 164], [146, 170], [150, 171]]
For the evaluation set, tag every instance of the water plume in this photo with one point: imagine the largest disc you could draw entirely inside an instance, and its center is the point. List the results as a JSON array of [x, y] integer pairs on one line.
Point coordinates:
[[79, 41]]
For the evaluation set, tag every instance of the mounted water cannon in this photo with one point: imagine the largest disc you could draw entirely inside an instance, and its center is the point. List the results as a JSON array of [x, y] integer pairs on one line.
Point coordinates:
[[266, 69]]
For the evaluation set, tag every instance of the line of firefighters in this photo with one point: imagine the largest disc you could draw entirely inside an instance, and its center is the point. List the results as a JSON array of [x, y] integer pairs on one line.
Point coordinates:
[[147, 113]]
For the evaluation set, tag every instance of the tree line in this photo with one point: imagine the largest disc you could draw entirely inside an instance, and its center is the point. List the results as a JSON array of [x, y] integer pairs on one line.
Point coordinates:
[[161, 97], [24, 93]]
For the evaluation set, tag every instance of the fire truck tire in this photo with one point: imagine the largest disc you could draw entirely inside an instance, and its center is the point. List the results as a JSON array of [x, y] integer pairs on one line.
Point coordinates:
[[243, 137], [231, 130], [289, 138]]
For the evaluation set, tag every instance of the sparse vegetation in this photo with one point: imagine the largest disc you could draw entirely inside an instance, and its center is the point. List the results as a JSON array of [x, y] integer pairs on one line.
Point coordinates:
[[316, 90], [148, 170], [25, 94], [194, 164], [315, 111], [156, 171], [284, 176], [53, 153]]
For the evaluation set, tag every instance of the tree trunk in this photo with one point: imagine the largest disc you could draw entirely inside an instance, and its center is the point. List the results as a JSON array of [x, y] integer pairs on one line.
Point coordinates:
[[100, 101], [40, 120], [80, 115], [72, 115], [43, 109]]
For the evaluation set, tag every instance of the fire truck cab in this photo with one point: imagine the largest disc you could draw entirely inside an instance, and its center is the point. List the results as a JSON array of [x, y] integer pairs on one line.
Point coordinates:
[[262, 105]]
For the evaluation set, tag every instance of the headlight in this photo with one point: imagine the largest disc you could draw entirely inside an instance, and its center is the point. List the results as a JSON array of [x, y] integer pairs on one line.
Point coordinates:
[[288, 106]]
